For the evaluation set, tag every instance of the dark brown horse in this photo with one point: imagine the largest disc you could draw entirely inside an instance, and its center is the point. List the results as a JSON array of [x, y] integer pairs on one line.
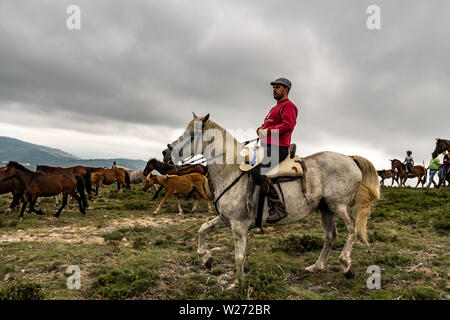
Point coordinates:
[[441, 146], [38, 184], [11, 185], [84, 172], [166, 168], [419, 172]]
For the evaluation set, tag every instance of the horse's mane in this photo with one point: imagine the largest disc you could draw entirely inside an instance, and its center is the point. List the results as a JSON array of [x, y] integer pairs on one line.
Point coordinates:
[[18, 166], [402, 164], [163, 165], [209, 124]]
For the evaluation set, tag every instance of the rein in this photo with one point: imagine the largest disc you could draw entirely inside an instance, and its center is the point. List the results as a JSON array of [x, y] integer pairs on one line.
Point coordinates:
[[228, 188]]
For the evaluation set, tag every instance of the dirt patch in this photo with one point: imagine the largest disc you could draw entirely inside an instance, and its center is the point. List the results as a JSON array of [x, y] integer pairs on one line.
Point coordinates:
[[76, 234]]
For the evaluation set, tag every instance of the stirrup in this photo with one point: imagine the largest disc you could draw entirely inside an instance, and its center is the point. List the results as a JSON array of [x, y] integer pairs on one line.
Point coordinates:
[[277, 216]]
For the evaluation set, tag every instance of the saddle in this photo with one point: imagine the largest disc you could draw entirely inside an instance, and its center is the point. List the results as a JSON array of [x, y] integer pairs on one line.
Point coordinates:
[[289, 167]]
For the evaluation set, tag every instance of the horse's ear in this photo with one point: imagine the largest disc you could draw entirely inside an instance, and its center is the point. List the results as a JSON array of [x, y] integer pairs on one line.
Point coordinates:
[[205, 118], [195, 116]]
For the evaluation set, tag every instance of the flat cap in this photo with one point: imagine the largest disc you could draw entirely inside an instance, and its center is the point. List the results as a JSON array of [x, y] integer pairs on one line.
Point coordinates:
[[283, 81]]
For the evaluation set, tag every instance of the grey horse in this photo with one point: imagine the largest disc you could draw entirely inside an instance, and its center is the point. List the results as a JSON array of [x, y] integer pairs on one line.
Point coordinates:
[[336, 184]]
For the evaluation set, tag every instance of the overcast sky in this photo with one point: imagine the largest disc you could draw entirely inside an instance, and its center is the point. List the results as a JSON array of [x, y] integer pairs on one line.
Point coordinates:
[[127, 81]]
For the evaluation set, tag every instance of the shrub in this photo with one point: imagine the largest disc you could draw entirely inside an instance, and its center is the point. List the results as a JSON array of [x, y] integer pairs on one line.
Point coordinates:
[[121, 284], [19, 290]]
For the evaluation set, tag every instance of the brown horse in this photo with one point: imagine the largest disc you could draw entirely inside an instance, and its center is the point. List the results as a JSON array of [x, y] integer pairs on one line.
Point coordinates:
[[386, 174], [419, 172], [101, 176], [166, 168], [84, 172], [441, 146], [38, 184], [11, 185], [180, 185]]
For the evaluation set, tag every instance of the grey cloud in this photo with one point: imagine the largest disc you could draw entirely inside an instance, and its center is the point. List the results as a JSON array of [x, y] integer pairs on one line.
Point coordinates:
[[152, 63]]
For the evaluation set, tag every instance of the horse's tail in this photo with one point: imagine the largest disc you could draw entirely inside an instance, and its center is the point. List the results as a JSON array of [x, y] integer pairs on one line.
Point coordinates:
[[80, 189], [127, 180], [88, 180], [366, 195], [206, 186], [424, 180]]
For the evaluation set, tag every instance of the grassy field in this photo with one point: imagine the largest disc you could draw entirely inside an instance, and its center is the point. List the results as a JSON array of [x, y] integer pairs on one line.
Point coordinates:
[[126, 252]]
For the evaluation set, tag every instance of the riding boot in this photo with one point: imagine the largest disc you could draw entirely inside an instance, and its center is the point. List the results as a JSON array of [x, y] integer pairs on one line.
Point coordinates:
[[277, 210]]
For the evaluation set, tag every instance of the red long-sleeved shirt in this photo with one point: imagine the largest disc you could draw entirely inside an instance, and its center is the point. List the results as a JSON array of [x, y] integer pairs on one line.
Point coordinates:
[[283, 118]]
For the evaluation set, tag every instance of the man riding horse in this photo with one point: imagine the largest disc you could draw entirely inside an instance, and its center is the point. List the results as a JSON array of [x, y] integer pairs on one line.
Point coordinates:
[[275, 133]]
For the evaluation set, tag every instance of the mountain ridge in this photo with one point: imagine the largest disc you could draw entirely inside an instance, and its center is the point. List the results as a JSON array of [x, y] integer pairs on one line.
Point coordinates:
[[30, 155]]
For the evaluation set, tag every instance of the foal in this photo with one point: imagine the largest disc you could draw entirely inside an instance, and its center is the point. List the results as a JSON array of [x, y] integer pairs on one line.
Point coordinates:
[[180, 185], [386, 174], [165, 168]]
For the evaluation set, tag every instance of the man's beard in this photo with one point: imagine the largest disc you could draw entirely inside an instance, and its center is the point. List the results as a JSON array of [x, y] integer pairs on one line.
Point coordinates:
[[277, 97]]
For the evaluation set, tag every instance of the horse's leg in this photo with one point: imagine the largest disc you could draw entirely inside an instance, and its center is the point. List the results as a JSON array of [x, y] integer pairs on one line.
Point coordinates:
[[157, 192], [240, 232], [204, 253], [344, 258], [419, 180], [32, 203], [162, 201], [80, 205], [14, 203], [180, 211], [330, 234], [24, 205], [64, 202], [197, 199], [100, 186], [205, 196], [404, 181]]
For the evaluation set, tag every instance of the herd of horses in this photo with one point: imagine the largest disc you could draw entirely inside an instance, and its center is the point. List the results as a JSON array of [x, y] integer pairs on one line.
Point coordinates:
[[400, 174], [28, 186], [337, 185]]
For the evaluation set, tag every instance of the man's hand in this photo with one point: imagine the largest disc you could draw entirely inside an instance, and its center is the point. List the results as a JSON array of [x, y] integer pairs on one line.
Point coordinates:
[[263, 132]]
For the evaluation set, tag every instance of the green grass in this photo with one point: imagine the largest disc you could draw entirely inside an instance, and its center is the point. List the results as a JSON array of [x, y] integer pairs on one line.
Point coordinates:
[[126, 252]]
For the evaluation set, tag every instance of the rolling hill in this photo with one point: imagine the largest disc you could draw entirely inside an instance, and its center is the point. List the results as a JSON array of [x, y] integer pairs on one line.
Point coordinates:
[[32, 154]]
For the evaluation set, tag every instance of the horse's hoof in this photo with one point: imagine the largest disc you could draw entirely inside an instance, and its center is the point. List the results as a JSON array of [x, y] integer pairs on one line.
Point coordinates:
[[312, 269], [350, 274], [208, 263], [20, 219]]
